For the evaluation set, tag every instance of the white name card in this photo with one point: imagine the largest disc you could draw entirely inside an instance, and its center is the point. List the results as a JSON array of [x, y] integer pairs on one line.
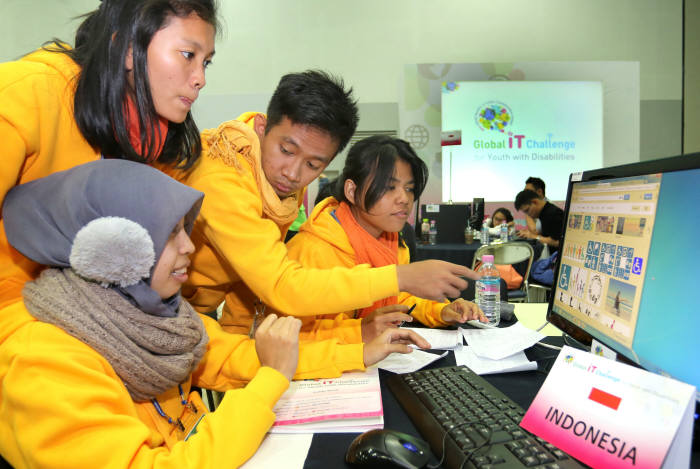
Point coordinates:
[[611, 415]]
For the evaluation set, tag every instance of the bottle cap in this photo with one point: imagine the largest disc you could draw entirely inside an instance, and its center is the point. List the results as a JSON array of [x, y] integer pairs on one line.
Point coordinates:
[[487, 258]]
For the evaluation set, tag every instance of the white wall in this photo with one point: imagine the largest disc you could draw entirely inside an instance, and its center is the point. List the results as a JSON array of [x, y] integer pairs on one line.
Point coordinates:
[[26, 24], [368, 41]]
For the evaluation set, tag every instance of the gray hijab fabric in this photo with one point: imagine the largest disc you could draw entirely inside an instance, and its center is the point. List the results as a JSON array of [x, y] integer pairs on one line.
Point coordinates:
[[43, 217]]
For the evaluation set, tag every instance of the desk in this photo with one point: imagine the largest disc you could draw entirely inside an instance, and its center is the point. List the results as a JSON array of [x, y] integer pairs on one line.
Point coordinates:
[[533, 315], [327, 450]]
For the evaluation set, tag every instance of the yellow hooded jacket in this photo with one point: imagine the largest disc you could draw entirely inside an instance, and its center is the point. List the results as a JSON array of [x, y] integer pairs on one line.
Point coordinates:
[[240, 255], [63, 405], [322, 242], [39, 137], [62, 400]]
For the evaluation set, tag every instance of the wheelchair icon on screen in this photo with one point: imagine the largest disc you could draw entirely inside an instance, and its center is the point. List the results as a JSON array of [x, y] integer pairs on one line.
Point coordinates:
[[564, 277], [637, 266]]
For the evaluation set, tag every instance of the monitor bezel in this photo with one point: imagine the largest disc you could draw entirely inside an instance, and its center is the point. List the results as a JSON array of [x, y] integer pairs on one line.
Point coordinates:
[[662, 165]]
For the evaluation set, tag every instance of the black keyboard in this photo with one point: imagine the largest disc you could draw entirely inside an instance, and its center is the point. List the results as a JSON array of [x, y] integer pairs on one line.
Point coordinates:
[[464, 416]]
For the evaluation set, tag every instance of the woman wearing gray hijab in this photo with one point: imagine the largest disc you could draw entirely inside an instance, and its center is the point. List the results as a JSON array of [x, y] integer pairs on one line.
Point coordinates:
[[97, 364]]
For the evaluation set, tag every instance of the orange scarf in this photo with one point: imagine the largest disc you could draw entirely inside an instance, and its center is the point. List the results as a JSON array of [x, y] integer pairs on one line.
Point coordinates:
[[132, 123], [233, 141], [369, 250]]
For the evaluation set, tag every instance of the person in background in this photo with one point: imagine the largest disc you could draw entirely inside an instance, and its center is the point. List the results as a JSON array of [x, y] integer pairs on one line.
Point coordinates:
[[500, 216], [379, 183], [535, 184], [551, 216], [254, 172], [104, 334], [509, 274], [124, 90]]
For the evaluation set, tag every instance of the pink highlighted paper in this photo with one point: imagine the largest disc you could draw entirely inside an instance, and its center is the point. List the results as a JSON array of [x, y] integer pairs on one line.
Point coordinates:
[[354, 399]]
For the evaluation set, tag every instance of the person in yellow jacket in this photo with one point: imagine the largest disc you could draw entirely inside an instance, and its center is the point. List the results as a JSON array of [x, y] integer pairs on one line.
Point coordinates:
[[254, 171], [99, 370], [110, 96], [375, 193]]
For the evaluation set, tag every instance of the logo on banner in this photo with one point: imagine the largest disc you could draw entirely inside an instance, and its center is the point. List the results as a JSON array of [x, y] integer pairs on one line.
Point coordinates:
[[494, 116], [449, 86]]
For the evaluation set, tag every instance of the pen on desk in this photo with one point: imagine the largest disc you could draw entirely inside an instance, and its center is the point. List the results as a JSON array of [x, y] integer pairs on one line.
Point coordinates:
[[410, 310]]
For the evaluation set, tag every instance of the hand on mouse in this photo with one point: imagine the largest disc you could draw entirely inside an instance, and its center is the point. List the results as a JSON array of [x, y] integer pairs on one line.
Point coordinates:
[[390, 341], [381, 319], [277, 343]]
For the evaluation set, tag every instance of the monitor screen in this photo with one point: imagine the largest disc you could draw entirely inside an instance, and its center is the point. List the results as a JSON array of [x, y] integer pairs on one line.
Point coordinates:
[[629, 264]]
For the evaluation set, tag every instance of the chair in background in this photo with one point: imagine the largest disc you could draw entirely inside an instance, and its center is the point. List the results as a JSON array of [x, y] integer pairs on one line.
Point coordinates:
[[538, 293], [512, 253]]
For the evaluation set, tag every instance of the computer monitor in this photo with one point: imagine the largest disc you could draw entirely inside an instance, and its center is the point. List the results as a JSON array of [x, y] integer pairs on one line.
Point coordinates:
[[628, 273]]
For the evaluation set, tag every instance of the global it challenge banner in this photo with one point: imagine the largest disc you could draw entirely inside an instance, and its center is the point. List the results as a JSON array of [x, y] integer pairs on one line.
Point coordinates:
[[512, 130]]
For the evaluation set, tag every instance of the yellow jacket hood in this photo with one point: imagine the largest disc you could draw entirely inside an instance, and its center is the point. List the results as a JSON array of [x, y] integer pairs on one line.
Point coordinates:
[[322, 224]]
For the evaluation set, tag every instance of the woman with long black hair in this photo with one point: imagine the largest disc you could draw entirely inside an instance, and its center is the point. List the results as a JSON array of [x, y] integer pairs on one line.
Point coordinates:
[[124, 90]]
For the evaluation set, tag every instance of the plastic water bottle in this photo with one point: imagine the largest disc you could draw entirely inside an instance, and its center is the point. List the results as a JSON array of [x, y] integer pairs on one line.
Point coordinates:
[[425, 232], [484, 235], [504, 232], [488, 290], [433, 233]]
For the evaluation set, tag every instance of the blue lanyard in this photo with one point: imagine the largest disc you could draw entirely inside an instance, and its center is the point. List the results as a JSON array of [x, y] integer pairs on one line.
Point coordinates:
[[170, 420]]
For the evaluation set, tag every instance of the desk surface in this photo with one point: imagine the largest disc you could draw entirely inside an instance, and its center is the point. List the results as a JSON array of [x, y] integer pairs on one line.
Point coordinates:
[[328, 450], [533, 315]]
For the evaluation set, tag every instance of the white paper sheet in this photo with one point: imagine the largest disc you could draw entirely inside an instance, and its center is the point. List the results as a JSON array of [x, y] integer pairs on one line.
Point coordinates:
[[483, 366], [500, 342], [408, 362], [439, 339], [288, 451]]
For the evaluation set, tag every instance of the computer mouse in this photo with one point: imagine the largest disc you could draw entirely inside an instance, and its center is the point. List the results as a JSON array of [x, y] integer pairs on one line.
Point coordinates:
[[388, 448]]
